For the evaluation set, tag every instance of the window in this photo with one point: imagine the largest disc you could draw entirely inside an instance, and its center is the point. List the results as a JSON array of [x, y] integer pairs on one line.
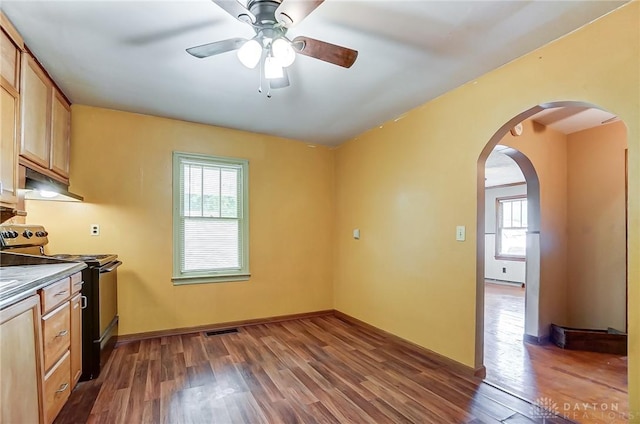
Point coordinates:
[[210, 219], [511, 240]]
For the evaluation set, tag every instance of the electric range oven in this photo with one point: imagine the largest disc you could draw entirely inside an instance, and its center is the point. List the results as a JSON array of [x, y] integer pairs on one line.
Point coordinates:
[[99, 290]]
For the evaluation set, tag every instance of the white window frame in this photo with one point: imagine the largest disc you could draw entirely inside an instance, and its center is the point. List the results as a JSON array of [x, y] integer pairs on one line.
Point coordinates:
[[209, 276], [499, 227]]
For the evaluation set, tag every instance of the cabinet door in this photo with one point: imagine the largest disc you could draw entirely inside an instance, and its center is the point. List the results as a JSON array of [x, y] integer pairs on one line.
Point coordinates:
[[9, 60], [76, 340], [36, 108], [10, 115], [60, 134], [20, 363]]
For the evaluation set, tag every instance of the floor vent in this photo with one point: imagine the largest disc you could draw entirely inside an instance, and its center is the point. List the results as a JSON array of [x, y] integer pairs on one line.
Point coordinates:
[[220, 332]]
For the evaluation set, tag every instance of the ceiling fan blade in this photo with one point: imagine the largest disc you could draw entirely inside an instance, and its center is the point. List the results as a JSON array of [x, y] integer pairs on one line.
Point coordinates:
[[291, 12], [217, 47], [237, 10], [280, 82], [327, 52]]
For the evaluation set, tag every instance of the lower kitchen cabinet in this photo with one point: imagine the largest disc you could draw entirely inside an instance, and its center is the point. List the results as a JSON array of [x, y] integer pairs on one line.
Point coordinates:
[[62, 341], [41, 352], [76, 340], [20, 363]]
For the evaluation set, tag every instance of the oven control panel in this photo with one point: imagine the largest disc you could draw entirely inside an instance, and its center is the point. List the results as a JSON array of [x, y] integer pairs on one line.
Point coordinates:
[[21, 235]]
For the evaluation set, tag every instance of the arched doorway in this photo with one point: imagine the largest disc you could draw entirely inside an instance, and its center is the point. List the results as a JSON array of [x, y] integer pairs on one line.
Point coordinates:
[[542, 306]]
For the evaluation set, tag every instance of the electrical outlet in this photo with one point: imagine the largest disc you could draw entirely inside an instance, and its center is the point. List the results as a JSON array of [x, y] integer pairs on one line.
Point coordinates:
[[95, 230]]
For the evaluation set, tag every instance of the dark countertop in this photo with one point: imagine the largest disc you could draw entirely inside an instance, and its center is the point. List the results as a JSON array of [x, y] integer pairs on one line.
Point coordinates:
[[21, 281]]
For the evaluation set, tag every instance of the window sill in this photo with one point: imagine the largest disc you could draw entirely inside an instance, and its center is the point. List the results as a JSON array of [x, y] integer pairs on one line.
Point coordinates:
[[510, 258], [182, 281]]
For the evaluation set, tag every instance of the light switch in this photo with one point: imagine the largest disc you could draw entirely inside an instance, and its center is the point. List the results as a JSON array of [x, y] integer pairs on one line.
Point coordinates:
[[461, 233], [356, 234]]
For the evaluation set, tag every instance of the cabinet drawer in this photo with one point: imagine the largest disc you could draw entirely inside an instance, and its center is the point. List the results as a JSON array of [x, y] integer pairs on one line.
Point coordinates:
[[57, 386], [55, 294], [56, 334], [76, 282]]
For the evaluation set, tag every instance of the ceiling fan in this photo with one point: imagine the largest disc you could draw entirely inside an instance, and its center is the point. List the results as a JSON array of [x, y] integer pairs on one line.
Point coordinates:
[[271, 19]]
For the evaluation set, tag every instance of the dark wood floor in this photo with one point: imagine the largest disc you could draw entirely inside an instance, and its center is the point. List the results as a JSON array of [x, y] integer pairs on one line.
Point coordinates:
[[314, 370], [589, 387]]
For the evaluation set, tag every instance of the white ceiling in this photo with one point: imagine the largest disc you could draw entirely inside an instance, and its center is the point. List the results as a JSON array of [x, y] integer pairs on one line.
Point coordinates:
[[568, 120], [500, 169], [130, 55]]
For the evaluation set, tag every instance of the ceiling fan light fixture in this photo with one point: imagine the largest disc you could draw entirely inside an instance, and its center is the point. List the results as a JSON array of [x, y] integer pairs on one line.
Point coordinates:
[[272, 68], [283, 51], [270, 47], [250, 53]]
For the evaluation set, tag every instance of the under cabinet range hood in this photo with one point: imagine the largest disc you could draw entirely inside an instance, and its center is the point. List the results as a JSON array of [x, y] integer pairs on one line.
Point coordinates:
[[40, 187]]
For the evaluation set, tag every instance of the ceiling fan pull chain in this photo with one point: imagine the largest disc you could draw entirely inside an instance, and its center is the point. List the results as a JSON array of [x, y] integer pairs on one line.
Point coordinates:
[[260, 74]]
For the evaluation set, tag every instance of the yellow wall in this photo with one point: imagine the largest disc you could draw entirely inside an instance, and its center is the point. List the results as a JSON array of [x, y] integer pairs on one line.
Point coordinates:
[[596, 224], [547, 151], [121, 164], [408, 184]]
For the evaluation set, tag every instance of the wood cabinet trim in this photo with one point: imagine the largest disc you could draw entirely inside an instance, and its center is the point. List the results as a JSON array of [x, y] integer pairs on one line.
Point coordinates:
[[25, 162], [9, 87], [76, 339], [11, 31]]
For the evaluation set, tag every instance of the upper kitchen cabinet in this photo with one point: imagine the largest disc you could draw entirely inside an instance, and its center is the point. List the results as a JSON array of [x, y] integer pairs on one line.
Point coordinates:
[[46, 121], [9, 110], [11, 46], [36, 105], [60, 134]]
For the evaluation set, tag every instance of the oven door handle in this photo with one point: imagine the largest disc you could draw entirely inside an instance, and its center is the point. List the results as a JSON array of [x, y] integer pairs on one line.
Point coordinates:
[[111, 267]]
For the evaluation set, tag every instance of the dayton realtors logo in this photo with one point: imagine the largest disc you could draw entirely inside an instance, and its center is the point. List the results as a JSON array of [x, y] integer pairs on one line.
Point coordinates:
[[545, 407]]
